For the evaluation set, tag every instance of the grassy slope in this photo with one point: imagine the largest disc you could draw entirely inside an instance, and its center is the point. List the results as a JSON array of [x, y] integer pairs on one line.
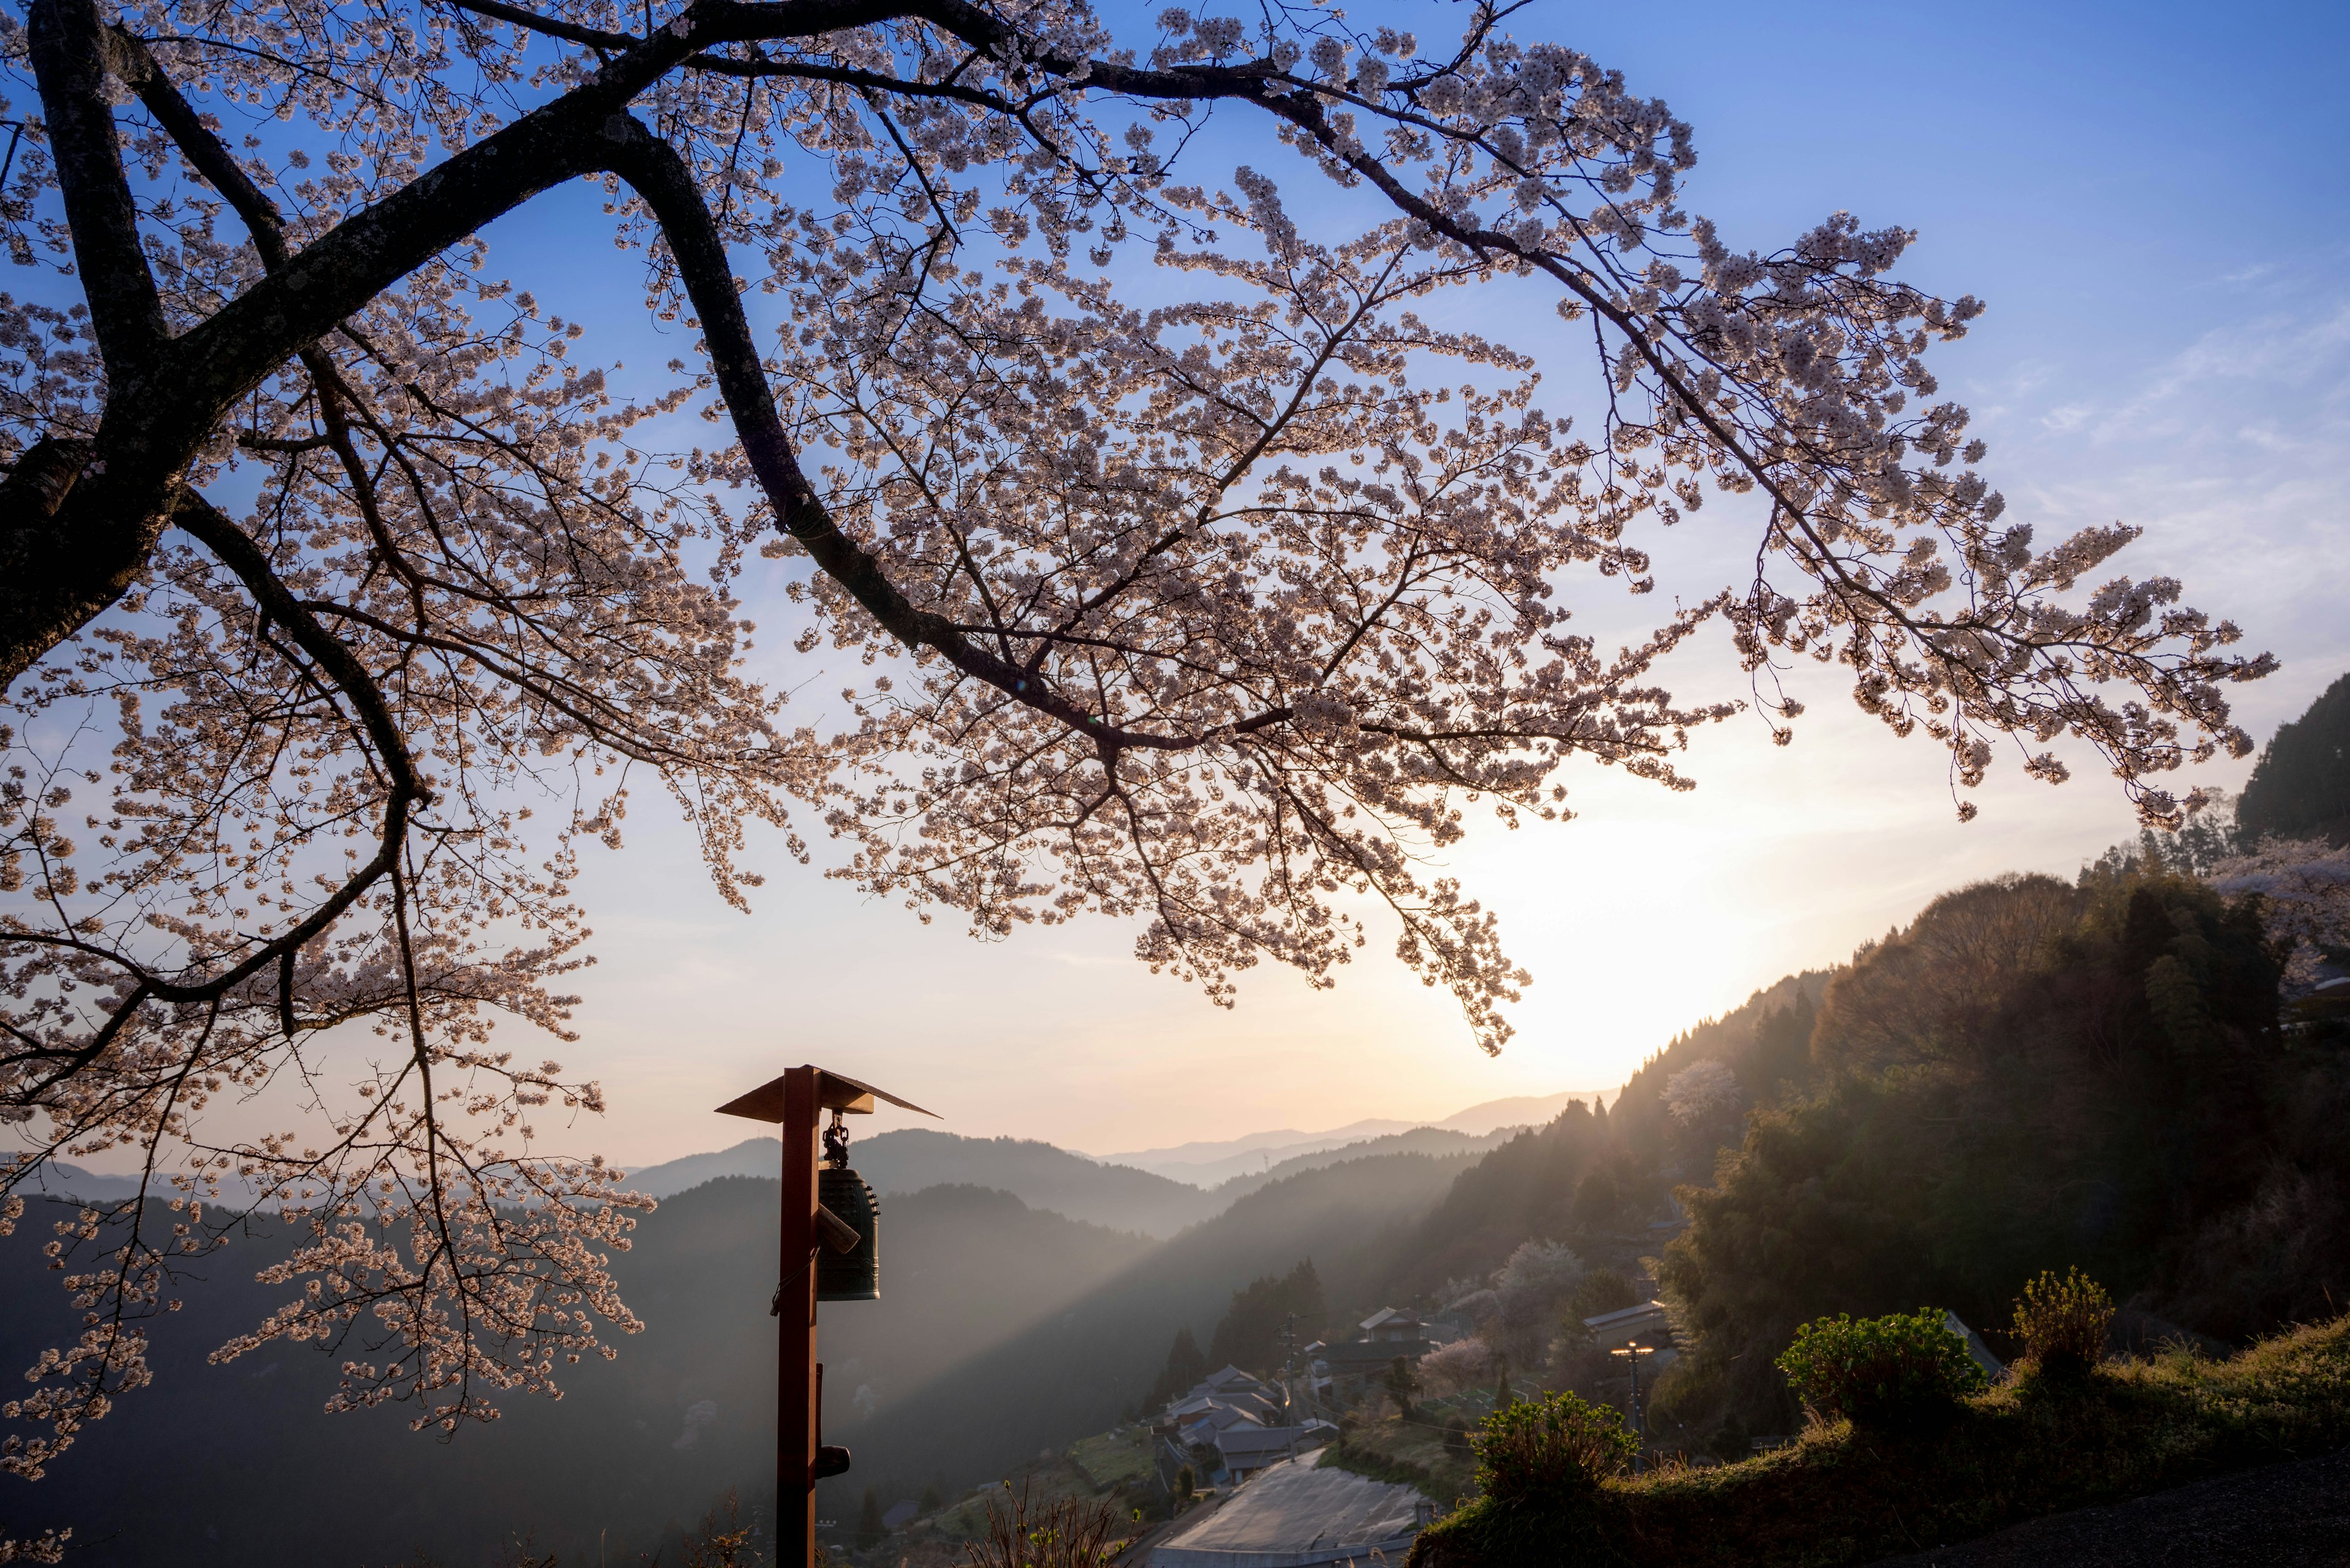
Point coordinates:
[[1844, 1497], [1408, 1454]]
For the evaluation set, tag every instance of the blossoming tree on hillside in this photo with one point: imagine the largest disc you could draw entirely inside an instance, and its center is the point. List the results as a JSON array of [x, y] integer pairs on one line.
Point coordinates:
[[324, 553]]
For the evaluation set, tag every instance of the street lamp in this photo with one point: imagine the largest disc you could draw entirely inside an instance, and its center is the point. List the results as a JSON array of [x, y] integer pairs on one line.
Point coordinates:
[[1632, 1353], [831, 1251]]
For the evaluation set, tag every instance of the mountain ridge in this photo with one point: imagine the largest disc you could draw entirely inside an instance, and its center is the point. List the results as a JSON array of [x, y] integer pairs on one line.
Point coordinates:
[[1208, 1162], [1046, 1177]]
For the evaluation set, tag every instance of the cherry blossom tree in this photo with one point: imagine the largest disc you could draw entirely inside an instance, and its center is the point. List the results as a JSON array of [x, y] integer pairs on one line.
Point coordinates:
[[2303, 888], [1703, 1095], [1466, 1363], [327, 557]]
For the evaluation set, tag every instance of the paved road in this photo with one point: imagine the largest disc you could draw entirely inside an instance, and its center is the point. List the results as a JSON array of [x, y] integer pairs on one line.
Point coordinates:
[[2284, 1516]]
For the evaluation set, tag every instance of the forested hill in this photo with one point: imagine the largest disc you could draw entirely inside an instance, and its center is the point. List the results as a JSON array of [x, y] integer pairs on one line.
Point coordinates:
[[2032, 1075], [2302, 787], [1598, 1180]]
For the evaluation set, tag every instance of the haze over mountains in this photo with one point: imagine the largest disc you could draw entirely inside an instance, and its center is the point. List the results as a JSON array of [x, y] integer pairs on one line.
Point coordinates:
[[1151, 1192], [1187, 1184], [1207, 1164]]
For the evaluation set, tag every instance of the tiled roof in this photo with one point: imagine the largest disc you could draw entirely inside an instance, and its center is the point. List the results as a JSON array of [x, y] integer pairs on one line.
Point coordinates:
[[1385, 1316]]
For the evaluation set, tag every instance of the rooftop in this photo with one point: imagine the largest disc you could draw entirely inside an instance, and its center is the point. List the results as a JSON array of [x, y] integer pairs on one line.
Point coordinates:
[[1296, 1515], [1256, 1442], [1389, 1317]]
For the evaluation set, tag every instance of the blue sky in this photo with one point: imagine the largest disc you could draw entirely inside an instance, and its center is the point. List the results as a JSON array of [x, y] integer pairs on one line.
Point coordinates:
[[2151, 199]]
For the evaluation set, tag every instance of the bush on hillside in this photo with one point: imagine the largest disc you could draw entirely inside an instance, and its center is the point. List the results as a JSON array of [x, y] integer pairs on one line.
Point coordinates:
[[1024, 1532], [1550, 1450], [2062, 1323], [1881, 1371]]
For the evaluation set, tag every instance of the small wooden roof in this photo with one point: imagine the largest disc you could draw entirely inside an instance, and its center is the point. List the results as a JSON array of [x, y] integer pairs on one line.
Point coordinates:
[[833, 1093]]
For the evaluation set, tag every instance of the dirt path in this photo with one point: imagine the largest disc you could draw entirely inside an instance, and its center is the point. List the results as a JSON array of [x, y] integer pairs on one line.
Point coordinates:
[[2293, 1515]]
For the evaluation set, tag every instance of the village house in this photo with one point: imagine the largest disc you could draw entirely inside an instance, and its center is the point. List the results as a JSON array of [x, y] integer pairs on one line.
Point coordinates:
[[1344, 1368], [1228, 1427], [1246, 1449], [1644, 1324]]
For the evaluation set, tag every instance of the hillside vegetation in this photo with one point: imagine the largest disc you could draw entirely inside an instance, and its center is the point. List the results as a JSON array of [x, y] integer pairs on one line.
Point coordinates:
[[1840, 1496], [2302, 785], [2031, 1076]]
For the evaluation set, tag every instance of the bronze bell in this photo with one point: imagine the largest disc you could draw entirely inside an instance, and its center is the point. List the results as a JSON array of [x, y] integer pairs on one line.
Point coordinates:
[[850, 1273]]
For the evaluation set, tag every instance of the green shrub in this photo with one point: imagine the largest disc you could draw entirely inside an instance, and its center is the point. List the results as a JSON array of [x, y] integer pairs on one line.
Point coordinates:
[[1550, 1449], [1880, 1370], [2062, 1323]]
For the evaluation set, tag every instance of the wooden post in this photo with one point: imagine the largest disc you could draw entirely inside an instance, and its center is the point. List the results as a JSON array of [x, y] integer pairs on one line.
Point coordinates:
[[797, 1390], [793, 1104]]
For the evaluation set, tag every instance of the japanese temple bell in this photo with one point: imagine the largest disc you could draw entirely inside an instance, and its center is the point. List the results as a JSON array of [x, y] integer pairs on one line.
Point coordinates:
[[848, 1217], [848, 1266]]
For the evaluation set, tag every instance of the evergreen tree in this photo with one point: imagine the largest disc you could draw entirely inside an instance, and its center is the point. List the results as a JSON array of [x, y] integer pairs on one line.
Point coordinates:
[[1250, 1336], [1598, 1204], [2302, 787], [1783, 1051], [932, 1502], [868, 1523], [1602, 1290], [1185, 1367]]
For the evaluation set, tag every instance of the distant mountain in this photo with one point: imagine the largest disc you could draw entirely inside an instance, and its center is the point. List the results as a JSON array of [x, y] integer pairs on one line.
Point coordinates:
[[1520, 1110], [754, 1157], [1023, 1305], [1210, 1163], [60, 1180], [1418, 1140], [1207, 1163], [1039, 1175]]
